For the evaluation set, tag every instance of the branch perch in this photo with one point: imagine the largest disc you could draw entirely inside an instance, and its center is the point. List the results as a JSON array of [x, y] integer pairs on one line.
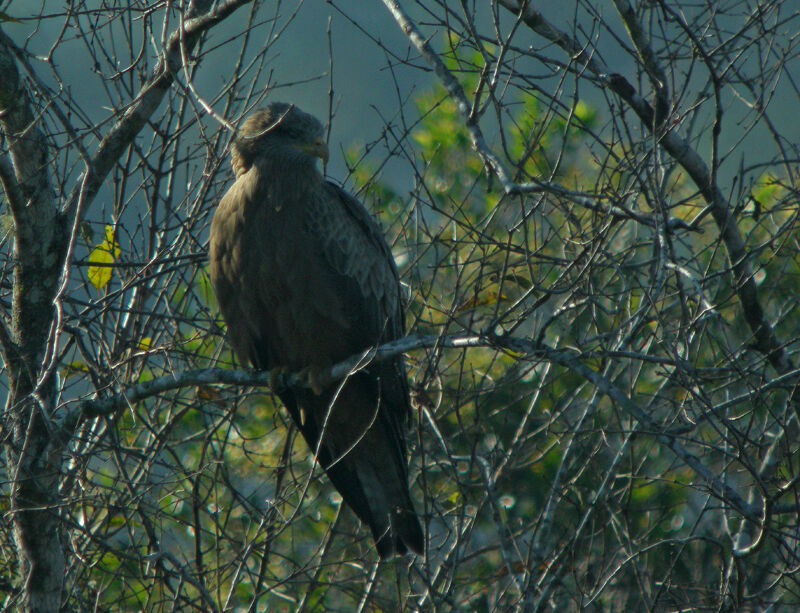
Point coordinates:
[[532, 350]]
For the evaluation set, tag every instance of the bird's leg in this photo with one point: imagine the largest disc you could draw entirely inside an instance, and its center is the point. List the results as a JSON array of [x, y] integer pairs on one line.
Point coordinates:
[[278, 383], [278, 378]]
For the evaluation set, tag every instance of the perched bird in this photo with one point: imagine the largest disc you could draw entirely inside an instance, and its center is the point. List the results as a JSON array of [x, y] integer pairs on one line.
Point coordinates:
[[304, 279]]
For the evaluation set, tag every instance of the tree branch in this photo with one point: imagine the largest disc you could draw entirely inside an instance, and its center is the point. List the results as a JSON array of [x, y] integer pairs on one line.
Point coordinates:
[[531, 349], [658, 77], [146, 102], [490, 159], [206, 376], [456, 92], [27, 183], [569, 360], [766, 341], [14, 195]]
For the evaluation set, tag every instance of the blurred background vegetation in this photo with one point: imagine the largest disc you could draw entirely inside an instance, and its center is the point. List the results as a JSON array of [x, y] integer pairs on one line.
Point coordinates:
[[621, 433]]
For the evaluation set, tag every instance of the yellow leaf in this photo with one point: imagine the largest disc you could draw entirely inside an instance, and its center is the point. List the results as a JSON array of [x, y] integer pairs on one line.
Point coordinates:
[[144, 343], [99, 276], [104, 253], [584, 112], [486, 299], [766, 189], [117, 520]]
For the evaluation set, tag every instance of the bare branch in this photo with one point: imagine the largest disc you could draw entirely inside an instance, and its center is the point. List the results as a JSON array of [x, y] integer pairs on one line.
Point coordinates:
[[205, 376], [456, 92], [140, 391], [766, 340], [146, 101]]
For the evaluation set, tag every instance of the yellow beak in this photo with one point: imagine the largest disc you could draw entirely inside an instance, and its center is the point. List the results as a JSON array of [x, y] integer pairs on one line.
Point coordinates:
[[318, 149]]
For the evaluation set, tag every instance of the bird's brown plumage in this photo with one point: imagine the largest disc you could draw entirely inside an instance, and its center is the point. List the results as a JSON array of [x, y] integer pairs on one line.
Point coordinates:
[[304, 279]]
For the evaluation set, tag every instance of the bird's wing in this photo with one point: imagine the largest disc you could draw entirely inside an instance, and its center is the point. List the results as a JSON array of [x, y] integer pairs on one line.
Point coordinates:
[[355, 247], [351, 243]]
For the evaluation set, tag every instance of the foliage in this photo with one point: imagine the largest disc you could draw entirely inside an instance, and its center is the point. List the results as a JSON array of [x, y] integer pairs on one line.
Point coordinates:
[[620, 431]]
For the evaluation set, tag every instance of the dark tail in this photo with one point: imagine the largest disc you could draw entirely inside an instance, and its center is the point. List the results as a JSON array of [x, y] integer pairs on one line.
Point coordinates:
[[404, 535], [365, 459]]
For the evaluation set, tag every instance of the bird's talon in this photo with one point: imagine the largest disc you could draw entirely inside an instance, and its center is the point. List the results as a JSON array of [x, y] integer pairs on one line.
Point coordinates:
[[310, 376], [277, 378]]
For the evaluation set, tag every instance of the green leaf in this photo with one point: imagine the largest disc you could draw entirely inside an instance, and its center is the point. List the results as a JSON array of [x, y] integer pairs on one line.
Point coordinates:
[[766, 189]]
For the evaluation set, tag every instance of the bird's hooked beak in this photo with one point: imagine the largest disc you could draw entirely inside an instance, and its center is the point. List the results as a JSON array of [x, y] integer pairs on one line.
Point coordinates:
[[318, 149]]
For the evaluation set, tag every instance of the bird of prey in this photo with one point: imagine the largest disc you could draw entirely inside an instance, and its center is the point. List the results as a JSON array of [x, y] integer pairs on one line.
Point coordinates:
[[304, 279]]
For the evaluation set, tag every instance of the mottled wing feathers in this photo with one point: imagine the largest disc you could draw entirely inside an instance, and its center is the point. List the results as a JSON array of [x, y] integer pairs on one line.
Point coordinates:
[[353, 245]]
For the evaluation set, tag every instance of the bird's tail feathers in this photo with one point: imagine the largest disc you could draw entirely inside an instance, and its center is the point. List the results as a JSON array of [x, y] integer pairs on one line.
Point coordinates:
[[393, 521], [407, 531]]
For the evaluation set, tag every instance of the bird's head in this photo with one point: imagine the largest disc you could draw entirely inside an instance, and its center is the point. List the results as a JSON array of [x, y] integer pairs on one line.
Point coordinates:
[[279, 129]]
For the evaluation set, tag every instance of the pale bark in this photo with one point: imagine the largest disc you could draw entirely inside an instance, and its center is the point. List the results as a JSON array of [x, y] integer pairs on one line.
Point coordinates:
[[43, 239]]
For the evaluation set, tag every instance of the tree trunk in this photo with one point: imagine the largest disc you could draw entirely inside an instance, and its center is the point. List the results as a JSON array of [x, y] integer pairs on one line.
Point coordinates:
[[33, 450], [34, 462]]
